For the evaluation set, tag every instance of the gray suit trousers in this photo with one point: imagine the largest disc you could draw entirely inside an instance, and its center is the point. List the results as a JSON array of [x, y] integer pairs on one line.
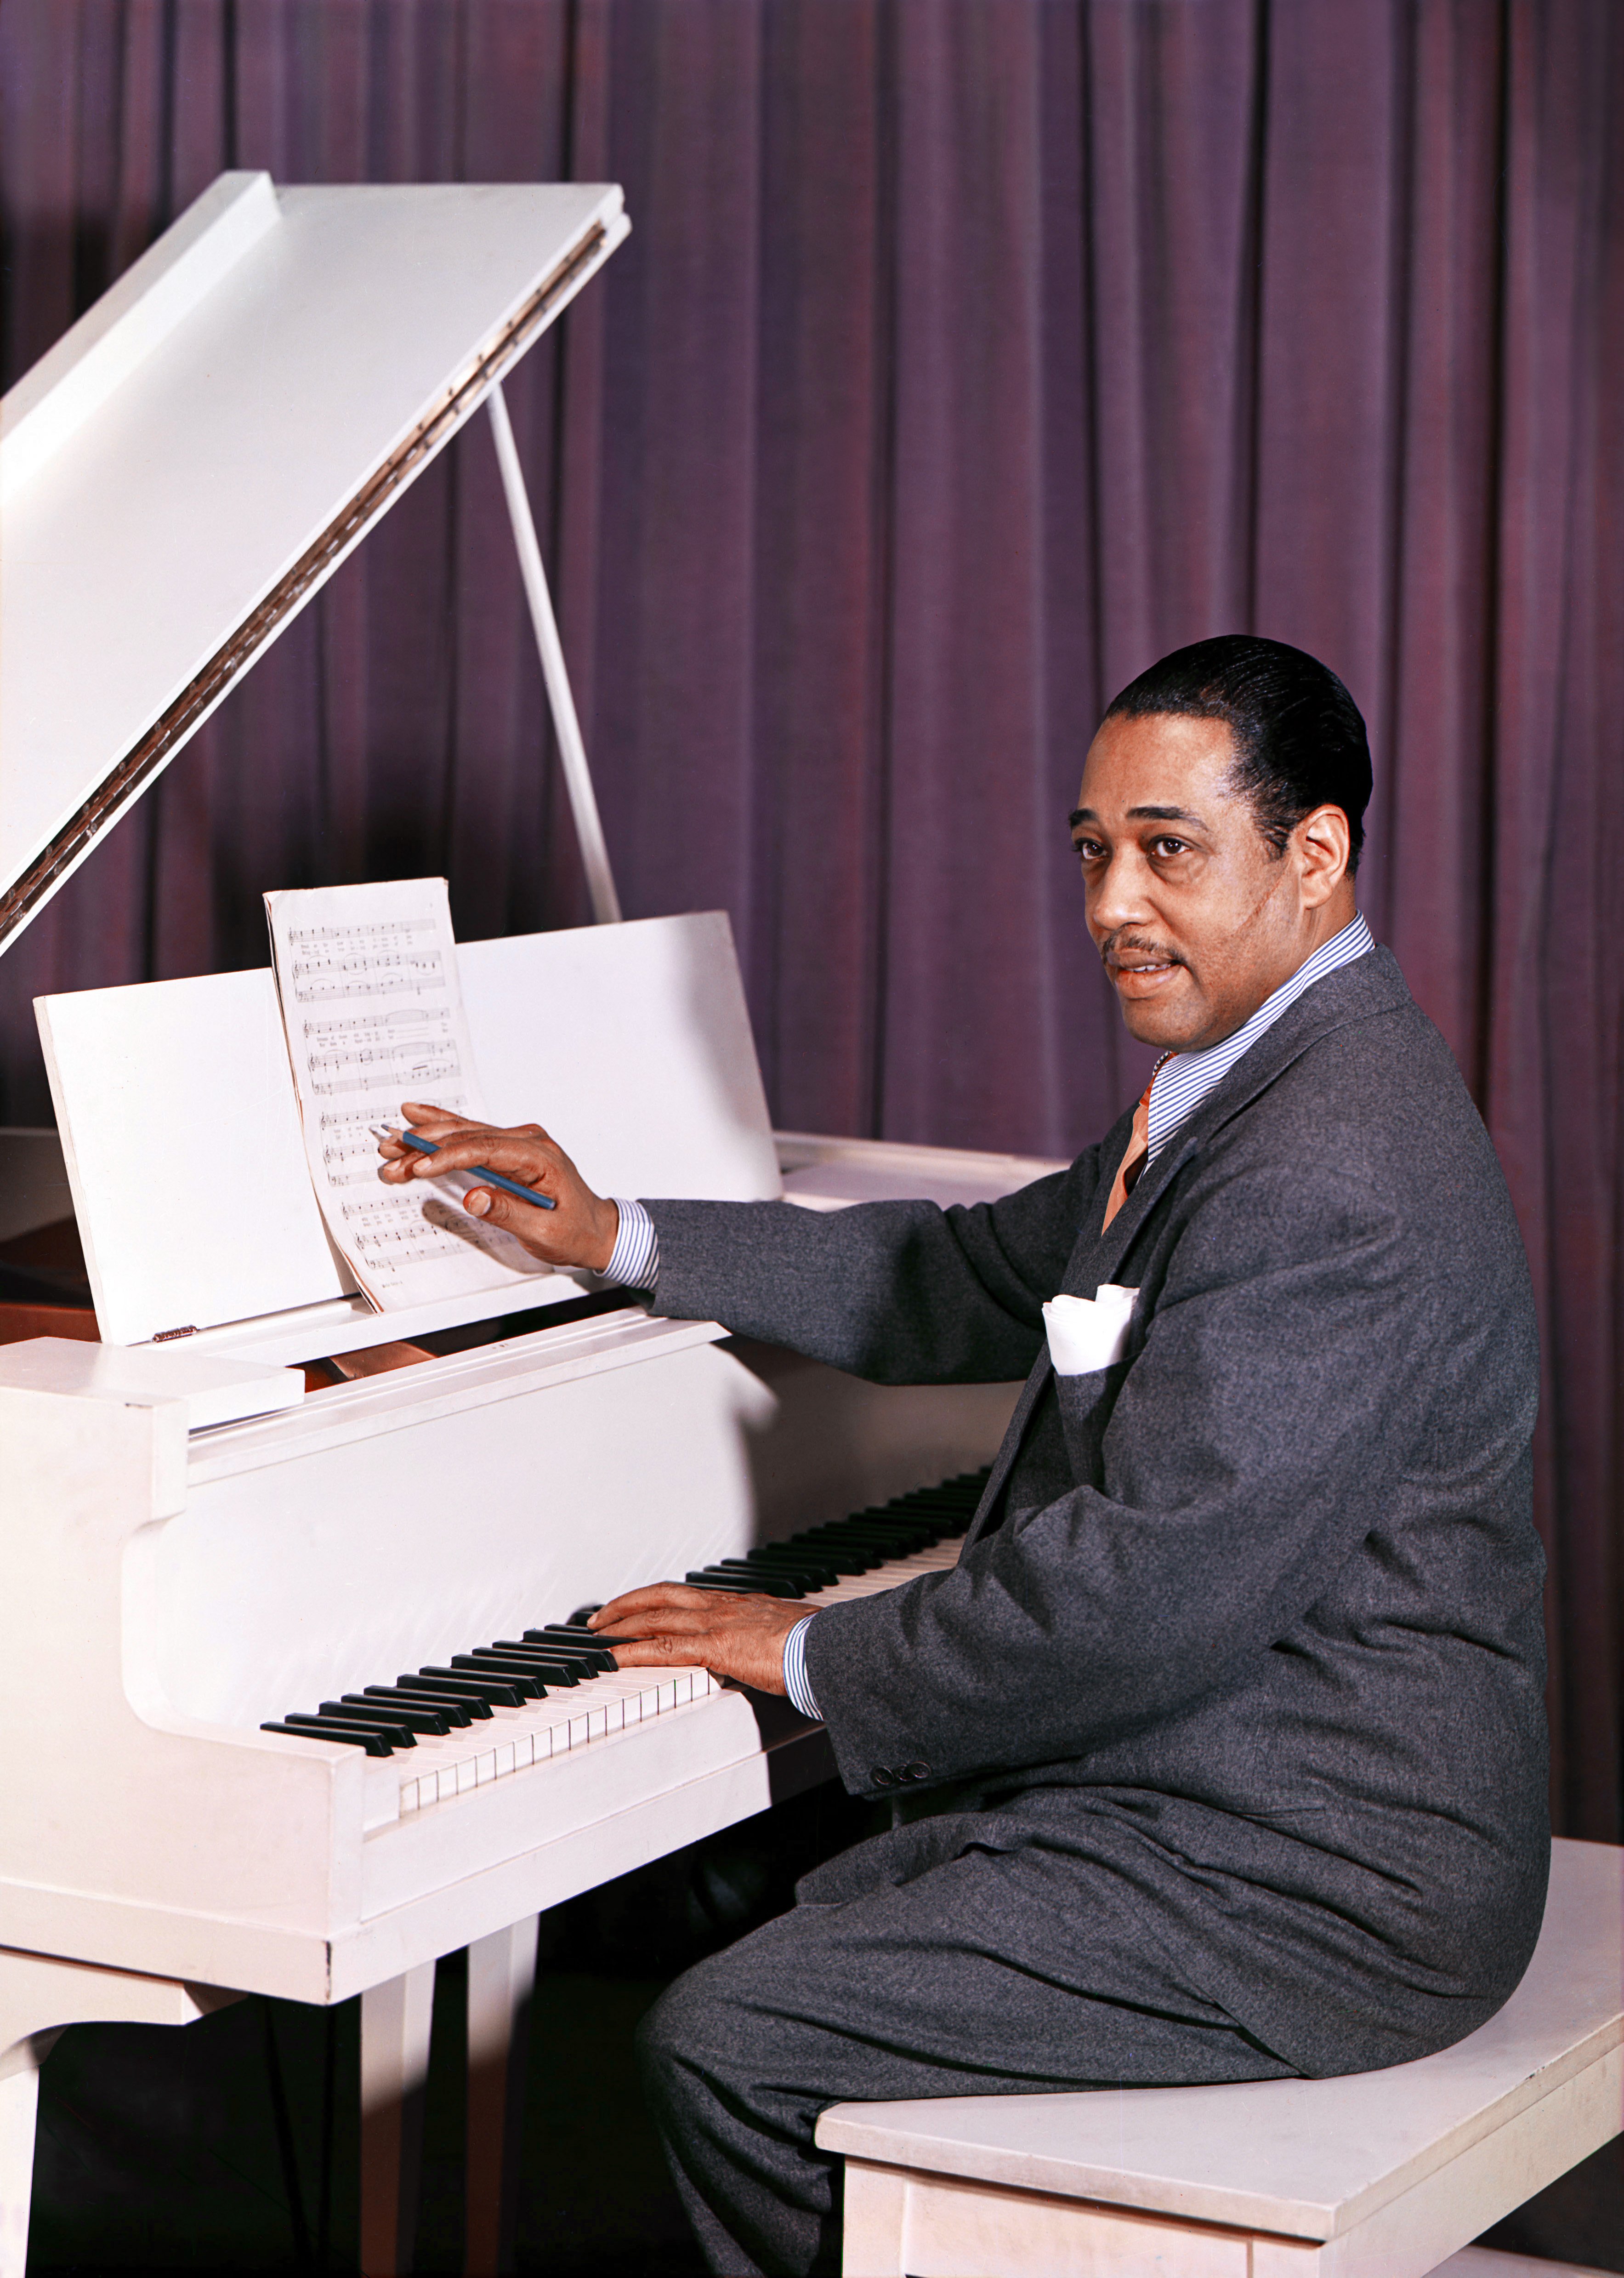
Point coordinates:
[[901, 1990]]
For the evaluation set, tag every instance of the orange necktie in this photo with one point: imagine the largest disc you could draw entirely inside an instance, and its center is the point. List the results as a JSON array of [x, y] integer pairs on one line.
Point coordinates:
[[1138, 1146]]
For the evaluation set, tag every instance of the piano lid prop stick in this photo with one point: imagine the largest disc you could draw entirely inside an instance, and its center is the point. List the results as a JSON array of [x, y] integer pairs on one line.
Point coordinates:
[[577, 776], [481, 1178]]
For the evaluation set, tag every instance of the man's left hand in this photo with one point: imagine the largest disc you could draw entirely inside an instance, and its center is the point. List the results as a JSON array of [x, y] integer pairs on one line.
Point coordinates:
[[732, 1633]]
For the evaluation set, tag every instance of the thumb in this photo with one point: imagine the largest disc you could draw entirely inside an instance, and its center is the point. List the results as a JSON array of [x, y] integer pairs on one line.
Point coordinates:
[[497, 1209]]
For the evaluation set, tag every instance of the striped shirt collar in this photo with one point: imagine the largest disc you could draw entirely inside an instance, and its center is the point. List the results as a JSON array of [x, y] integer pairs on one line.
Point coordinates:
[[1183, 1079]]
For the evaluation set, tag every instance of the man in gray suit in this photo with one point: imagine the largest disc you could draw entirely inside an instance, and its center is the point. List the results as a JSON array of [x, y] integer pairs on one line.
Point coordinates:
[[1221, 1754]]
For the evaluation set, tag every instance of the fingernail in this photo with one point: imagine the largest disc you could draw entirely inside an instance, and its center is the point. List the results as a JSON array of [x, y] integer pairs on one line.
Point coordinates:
[[478, 1202]]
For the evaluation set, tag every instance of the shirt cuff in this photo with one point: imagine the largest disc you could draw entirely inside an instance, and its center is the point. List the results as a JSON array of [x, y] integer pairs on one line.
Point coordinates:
[[796, 1684], [634, 1262]]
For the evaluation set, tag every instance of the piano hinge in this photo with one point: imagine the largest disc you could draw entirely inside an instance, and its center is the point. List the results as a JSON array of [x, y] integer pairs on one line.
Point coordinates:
[[166, 1336]]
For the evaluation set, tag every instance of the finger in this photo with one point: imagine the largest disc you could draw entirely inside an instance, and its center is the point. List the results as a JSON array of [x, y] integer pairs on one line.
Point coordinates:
[[432, 1121], [652, 1596], [669, 1650], [530, 1221], [527, 1159], [671, 1621]]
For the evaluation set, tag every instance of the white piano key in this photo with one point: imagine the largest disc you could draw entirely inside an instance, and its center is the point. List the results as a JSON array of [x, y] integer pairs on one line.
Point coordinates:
[[514, 1741]]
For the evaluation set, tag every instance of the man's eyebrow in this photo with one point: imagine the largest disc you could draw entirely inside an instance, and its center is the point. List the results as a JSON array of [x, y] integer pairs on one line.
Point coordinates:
[[1142, 813]]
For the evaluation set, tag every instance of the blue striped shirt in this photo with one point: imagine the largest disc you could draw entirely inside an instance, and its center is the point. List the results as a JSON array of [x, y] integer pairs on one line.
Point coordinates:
[[1180, 1084], [1183, 1081]]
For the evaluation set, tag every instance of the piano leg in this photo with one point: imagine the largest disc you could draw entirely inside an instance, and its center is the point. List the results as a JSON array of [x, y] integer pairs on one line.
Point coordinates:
[[395, 2022], [39, 1996], [501, 1979], [20, 2097]]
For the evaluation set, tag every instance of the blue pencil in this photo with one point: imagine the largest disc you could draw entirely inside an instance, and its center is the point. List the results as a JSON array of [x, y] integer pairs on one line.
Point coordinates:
[[481, 1178]]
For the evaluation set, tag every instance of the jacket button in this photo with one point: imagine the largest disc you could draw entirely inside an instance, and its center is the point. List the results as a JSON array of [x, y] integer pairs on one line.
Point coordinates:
[[882, 1775], [915, 1771]]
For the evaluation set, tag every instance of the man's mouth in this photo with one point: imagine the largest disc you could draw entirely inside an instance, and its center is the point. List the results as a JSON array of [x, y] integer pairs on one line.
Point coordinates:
[[1142, 965]]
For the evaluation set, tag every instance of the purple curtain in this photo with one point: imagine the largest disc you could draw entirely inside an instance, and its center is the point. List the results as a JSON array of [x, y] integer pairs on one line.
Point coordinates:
[[968, 354]]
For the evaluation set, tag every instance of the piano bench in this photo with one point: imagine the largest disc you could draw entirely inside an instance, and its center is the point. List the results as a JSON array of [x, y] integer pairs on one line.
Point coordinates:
[[1382, 2175]]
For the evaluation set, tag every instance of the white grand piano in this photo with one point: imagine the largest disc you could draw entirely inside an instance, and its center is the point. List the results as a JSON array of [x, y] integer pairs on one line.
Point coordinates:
[[219, 1544]]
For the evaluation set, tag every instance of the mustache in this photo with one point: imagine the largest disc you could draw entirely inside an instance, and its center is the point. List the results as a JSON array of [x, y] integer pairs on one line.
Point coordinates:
[[1121, 947]]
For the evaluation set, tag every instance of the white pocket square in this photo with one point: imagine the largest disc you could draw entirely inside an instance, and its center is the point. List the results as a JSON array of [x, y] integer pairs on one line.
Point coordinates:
[[1086, 1333]]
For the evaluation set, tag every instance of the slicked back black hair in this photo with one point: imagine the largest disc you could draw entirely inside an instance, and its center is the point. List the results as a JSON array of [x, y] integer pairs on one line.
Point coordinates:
[[1300, 738]]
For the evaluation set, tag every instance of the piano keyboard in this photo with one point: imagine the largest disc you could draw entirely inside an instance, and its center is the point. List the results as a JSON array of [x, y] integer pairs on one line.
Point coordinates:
[[500, 1709]]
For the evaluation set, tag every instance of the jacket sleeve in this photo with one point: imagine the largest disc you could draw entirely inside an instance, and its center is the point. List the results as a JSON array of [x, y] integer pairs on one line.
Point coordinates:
[[901, 1292], [1269, 1409]]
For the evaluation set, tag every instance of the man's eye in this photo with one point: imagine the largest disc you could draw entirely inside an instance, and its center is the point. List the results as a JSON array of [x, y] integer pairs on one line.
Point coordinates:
[[1170, 846], [1088, 850]]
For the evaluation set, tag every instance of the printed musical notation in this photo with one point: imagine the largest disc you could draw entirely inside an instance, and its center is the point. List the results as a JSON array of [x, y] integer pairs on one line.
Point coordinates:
[[365, 960], [373, 1015]]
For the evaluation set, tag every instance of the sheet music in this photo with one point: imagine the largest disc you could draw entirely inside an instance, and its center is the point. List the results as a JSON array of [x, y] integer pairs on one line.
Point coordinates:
[[367, 978]]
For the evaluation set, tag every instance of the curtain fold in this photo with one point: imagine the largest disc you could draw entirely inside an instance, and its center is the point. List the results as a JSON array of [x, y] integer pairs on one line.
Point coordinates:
[[966, 356]]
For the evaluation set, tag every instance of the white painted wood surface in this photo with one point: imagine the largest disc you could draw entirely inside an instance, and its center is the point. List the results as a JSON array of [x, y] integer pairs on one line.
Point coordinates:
[[1375, 2176], [501, 1983], [213, 1391], [396, 2020], [223, 417]]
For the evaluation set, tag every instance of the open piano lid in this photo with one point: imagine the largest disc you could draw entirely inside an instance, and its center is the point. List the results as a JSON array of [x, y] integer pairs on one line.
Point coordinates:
[[189, 464]]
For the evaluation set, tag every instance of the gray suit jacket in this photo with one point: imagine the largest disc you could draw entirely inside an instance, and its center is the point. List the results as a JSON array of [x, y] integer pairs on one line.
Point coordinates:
[[1252, 1620]]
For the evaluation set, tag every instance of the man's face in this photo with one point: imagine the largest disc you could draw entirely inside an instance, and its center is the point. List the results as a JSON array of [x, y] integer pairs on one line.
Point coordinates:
[[1197, 918]]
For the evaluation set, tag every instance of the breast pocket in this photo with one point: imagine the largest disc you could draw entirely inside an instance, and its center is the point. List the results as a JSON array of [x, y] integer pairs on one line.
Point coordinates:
[[1086, 1402]]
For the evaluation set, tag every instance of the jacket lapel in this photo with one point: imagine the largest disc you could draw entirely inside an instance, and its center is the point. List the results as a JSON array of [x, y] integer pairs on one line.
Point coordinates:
[[1372, 984]]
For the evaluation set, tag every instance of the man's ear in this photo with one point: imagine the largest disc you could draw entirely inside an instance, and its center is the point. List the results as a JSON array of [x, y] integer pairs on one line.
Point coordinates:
[[1322, 843]]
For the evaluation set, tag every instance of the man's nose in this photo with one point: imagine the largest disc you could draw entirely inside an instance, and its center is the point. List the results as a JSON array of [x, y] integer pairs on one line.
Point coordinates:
[[1116, 894]]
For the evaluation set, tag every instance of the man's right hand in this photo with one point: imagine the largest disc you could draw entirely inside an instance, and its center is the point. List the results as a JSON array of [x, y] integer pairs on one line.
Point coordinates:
[[580, 1230]]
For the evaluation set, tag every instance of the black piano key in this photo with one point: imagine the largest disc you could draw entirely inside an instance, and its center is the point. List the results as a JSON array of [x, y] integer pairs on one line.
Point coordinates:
[[418, 1719], [874, 1521], [894, 1535], [545, 1673], [796, 1558], [582, 1666], [565, 1640], [456, 1713], [394, 1727], [871, 1550], [790, 1551], [348, 1736], [766, 1586], [526, 1682], [844, 1557], [397, 1735], [804, 1576], [495, 1692]]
